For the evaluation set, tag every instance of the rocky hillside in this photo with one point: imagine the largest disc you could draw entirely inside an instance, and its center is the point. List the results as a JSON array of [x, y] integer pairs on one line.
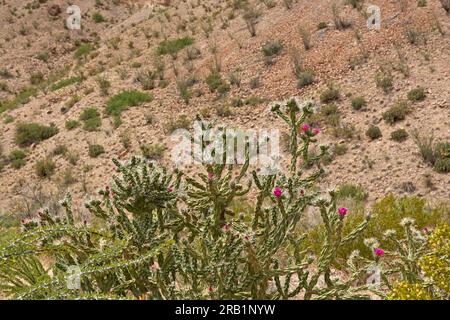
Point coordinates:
[[70, 100]]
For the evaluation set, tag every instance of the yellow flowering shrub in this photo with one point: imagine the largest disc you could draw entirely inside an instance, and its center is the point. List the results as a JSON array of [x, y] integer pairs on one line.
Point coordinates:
[[435, 266]]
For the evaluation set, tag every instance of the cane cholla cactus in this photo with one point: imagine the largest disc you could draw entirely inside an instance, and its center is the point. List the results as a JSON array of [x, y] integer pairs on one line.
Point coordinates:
[[153, 239]]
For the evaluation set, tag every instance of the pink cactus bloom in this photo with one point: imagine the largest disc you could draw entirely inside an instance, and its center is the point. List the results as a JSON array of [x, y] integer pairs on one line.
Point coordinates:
[[316, 131], [378, 252], [226, 227], [211, 289], [342, 211], [210, 175], [169, 189], [277, 192], [306, 127], [246, 238]]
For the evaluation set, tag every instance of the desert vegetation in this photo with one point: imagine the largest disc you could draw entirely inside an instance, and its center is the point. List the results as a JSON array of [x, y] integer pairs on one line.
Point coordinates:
[[88, 124]]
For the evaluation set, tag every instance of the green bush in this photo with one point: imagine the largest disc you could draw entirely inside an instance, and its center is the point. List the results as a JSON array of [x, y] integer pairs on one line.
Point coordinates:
[[417, 94], [399, 135], [373, 132], [45, 168], [71, 124], [330, 94], [152, 151], [173, 46], [436, 154], [355, 192], [397, 112], [304, 79], [17, 158], [97, 17], [91, 119], [121, 101], [214, 81], [385, 82], [83, 51], [182, 122], [95, 150], [66, 82], [28, 133], [358, 103]]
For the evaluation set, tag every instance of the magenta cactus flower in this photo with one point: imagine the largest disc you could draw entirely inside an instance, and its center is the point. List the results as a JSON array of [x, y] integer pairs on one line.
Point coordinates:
[[246, 238], [169, 189], [277, 192], [226, 227], [210, 175], [378, 252], [306, 127], [342, 211], [316, 131]]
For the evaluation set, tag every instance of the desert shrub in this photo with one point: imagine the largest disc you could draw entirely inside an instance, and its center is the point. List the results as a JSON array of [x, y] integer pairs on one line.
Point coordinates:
[[83, 51], [306, 37], [66, 82], [355, 192], [45, 168], [373, 132], [28, 133], [60, 149], [339, 22], [36, 78], [91, 119], [182, 122], [397, 112], [223, 110], [251, 16], [152, 151], [71, 124], [417, 94], [384, 81], [358, 102], [147, 79], [330, 114], [17, 158], [330, 94], [436, 154], [173, 46], [357, 4], [270, 50], [67, 177], [95, 150], [305, 78], [104, 86], [322, 25], [214, 81], [121, 101], [340, 149], [399, 135], [97, 17], [72, 157]]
